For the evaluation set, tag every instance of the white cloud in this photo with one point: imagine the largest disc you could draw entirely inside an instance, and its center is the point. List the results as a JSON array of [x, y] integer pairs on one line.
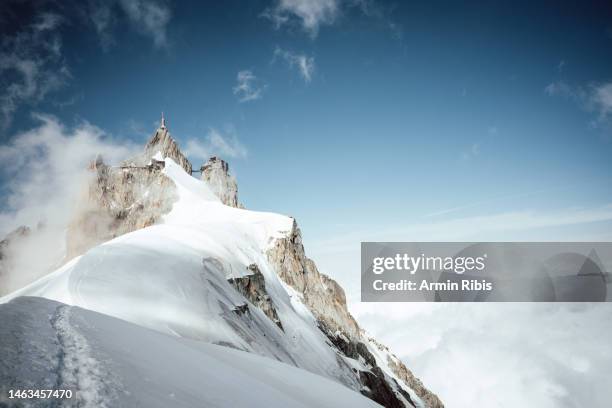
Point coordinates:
[[601, 99], [596, 97], [304, 64], [560, 88], [505, 354], [31, 65], [483, 355], [148, 17], [248, 87], [310, 14], [215, 144], [45, 171], [101, 14]]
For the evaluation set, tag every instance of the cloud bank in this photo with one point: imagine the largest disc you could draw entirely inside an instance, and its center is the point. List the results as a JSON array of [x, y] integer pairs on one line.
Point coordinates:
[[502, 355], [45, 169], [505, 355]]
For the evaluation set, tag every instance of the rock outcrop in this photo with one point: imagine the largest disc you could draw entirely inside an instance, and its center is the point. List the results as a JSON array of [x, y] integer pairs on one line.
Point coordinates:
[[134, 195], [253, 287], [124, 198], [322, 295], [327, 302], [162, 142], [215, 173]]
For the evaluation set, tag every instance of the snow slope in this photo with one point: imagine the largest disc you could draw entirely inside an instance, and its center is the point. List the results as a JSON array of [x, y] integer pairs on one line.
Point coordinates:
[[111, 363], [172, 277]]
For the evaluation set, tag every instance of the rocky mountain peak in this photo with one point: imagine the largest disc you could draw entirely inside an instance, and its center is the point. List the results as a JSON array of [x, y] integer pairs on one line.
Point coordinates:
[[215, 172], [162, 141]]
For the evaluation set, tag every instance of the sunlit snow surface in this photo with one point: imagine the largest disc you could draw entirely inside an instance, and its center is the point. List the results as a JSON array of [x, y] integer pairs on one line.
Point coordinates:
[[109, 363]]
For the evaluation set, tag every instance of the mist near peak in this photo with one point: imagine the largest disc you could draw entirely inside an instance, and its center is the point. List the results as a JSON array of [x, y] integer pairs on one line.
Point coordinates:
[[44, 171]]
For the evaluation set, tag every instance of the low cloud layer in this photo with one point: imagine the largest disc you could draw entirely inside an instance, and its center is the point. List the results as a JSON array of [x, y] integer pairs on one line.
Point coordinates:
[[484, 355], [45, 171], [501, 355]]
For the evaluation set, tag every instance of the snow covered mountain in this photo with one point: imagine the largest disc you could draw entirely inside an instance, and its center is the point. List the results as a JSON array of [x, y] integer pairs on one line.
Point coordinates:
[[156, 247]]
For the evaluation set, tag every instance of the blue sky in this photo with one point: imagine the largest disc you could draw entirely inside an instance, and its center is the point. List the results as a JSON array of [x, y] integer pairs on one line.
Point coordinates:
[[353, 115]]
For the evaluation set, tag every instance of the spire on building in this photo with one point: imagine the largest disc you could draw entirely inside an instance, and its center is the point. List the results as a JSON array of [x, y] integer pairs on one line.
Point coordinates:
[[163, 122]]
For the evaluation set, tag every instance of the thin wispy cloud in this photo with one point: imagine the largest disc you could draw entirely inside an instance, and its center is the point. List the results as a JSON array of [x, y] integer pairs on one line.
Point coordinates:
[[45, 170], [32, 62], [31, 65], [596, 98], [215, 143], [472, 152], [309, 14], [248, 86], [561, 66], [503, 224], [304, 64], [148, 17]]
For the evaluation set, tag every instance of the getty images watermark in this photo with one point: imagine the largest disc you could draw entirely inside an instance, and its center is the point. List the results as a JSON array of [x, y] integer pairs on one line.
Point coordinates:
[[485, 272]]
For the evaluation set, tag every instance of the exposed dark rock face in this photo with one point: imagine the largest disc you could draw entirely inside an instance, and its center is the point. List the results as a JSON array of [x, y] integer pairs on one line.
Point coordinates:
[[377, 388], [215, 173], [350, 348], [241, 309], [253, 287], [327, 302]]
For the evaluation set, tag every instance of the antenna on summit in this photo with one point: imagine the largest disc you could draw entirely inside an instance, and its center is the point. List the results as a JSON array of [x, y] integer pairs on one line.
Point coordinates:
[[163, 122]]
